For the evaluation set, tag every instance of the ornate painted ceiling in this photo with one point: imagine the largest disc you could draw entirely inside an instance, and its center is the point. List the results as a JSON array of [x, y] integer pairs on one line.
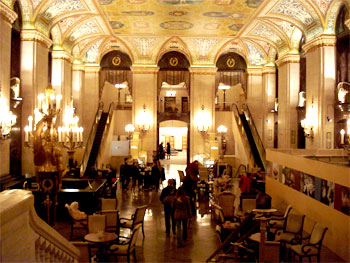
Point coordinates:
[[201, 29]]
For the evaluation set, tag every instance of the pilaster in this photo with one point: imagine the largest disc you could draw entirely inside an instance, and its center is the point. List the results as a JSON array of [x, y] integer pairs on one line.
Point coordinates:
[[202, 94], [34, 80], [288, 90], [320, 85], [78, 76], [144, 92]]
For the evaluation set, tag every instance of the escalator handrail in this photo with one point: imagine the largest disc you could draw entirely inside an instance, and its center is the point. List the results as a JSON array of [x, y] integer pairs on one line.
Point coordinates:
[[90, 140], [256, 137]]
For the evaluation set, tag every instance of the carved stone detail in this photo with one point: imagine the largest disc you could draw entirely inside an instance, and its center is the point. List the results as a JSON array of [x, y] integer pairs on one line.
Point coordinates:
[[7, 13], [203, 70], [60, 54], [34, 35], [321, 41], [141, 69], [288, 58]]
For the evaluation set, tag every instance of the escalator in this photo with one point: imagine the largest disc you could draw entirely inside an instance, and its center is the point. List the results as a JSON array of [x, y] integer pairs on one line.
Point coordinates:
[[97, 141], [253, 146]]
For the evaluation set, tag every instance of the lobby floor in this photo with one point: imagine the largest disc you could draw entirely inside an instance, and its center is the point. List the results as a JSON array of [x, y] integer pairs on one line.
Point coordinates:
[[157, 245]]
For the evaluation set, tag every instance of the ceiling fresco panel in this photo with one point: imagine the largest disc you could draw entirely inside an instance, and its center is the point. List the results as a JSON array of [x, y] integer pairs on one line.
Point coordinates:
[[62, 6], [89, 27], [92, 53], [190, 18], [256, 56]]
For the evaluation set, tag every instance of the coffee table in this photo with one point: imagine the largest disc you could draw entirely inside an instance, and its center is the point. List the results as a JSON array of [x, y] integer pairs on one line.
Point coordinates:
[[102, 240]]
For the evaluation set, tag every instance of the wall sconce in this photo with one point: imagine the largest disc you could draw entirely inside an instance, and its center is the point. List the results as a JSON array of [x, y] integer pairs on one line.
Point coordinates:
[[222, 130], [144, 120], [308, 123], [302, 99], [7, 119], [202, 124], [129, 128], [224, 87]]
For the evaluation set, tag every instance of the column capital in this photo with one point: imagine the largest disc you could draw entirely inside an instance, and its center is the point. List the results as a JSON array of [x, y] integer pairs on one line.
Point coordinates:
[[321, 41], [36, 36], [78, 66], [205, 70], [269, 70], [61, 54], [144, 69], [7, 13], [253, 71], [288, 58], [92, 68]]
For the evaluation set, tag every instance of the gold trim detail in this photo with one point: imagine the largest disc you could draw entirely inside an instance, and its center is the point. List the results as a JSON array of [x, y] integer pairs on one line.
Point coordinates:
[[173, 61], [203, 70], [116, 61], [60, 54], [230, 62], [321, 41], [288, 58]]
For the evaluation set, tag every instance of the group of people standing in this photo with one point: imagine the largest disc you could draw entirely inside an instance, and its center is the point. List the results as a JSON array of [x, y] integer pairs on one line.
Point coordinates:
[[132, 172], [179, 204], [161, 153]]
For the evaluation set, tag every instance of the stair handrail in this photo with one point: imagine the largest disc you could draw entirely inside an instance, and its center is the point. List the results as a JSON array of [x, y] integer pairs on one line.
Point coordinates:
[[90, 140], [258, 142], [108, 124]]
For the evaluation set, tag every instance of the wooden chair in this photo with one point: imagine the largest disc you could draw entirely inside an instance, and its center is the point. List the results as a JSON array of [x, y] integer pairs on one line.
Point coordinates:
[[312, 247], [96, 223], [108, 204], [136, 219], [127, 247], [226, 200], [276, 223], [76, 223]]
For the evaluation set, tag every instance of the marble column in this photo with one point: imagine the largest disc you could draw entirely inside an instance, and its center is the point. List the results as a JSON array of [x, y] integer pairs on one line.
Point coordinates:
[[78, 76], [288, 90], [320, 88], [202, 108], [144, 106], [34, 79], [90, 98], [255, 97], [62, 75], [269, 89], [8, 16]]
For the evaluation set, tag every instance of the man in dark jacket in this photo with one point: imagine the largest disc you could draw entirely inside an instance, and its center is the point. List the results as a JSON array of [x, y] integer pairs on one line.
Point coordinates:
[[166, 197], [125, 174]]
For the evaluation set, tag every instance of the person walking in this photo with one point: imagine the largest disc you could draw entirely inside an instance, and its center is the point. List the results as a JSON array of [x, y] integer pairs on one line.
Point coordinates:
[[168, 148], [182, 212], [135, 174], [166, 197], [155, 174], [125, 174]]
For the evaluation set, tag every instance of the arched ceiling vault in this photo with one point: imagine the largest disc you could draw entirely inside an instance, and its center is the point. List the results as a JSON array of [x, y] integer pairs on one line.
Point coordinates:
[[202, 30]]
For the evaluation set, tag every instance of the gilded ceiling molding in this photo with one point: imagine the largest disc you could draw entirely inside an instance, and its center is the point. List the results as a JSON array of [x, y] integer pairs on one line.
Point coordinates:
[[7, 13], [92, 68], [34, 35], [61, 54], [209, 70], [269, 70], [254, 71], [321, 41], [288, 58], [144, 69]]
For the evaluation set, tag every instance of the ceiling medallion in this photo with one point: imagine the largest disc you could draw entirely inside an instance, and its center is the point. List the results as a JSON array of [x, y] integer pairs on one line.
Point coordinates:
[[116, 61], [230, 62], [173, 61]]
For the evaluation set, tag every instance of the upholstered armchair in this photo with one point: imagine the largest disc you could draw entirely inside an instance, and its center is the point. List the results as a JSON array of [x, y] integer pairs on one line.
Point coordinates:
[[136, 219], [276, 223], [313, 245]]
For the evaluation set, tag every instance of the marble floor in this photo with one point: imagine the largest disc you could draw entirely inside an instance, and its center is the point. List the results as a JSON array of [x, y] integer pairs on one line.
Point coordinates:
[[157, 245]]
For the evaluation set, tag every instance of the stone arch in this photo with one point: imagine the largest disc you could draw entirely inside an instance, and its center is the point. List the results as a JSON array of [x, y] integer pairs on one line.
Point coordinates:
[[174, 44], [232, 46]]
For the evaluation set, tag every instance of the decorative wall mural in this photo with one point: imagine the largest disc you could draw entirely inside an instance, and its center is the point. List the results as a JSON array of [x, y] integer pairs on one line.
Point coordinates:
[[141, 24], [144, 44], [85, 29], [62, 6], [177, 13], [106, 2], [223, 14], [136, 1], [204, 46], [256, 57], [323, 5], [35, 3], [138, 13], [265, 31], [295, 9], [91, 54], [285, 26], [264, 45], [116, 24], [235, 27], [176, 25], [65, 24], [180, 2], [254, 3]]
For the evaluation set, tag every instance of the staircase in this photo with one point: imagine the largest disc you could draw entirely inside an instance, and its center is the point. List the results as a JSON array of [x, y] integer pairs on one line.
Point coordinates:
[[97, 141]]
